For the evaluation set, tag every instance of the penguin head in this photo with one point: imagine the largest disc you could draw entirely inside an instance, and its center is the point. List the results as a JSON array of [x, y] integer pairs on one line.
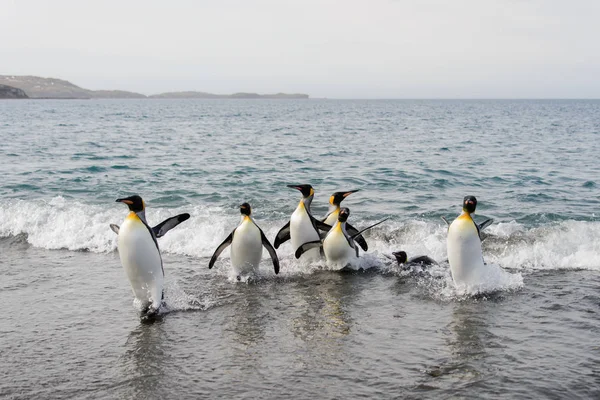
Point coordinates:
[[135, 203], [338, 197], [306, 190], [344, 214], [245, 209], [469, 204], [401, 256]]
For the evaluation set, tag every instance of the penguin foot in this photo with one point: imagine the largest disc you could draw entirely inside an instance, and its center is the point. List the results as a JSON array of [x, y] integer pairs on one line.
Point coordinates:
[[149, 314]]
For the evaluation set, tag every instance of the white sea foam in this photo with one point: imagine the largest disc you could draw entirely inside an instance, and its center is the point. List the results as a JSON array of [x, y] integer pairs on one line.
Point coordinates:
[[59, 224], [563, 245], [494, 279]]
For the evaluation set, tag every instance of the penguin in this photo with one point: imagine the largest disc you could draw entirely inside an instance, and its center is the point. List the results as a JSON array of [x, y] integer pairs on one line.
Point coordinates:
[[140, 257], [302, 226], [332, 216], [464, 246], [406, 263], [246, 241], [338, 246]]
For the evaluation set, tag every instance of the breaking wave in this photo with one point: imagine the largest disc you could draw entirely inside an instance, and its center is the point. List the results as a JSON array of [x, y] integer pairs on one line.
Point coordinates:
[[72, 225]]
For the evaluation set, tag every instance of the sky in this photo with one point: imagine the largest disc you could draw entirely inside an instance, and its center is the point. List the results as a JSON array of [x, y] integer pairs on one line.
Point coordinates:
[[326, 48]]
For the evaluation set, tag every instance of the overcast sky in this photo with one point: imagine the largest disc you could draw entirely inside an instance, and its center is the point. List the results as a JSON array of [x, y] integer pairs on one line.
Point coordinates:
[[326, 48]]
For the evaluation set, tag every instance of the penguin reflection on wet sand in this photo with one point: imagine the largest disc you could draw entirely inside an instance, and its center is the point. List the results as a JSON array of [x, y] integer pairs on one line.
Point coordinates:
[[334, 210], [247, 241], [339, 246], [140, 255], [464, 246], [302, 226]]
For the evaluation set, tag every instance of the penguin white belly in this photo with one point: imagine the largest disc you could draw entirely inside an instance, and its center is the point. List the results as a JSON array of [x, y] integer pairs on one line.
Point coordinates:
[[332, 218], [246, 248], [302, 231], [337, 250], [142, 262], [464, 252]]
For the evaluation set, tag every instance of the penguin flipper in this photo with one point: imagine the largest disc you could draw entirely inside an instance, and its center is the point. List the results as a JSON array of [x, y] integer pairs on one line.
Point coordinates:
[[220, 249], [282, 236], [320, 224], [485, 224], [369, 227], [115, 228], [307, 246], [358, 239], [169, 223], [271, 250], [445, 220]]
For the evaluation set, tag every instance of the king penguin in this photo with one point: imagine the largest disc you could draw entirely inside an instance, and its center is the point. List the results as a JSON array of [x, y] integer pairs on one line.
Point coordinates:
[[464, 247], [140, 256], [334, 210], [339, 246], [246, 241], [302, 226]]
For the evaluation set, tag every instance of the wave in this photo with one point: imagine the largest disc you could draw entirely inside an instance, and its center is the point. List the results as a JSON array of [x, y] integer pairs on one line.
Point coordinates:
[[68, 224]]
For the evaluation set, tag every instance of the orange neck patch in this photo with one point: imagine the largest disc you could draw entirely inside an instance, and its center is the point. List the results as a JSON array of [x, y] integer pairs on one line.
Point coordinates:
[[465, 215]]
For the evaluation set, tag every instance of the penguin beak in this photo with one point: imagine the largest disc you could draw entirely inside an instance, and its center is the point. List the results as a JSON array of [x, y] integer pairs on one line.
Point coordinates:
[[350, 192], [126, 201], [295, 187]]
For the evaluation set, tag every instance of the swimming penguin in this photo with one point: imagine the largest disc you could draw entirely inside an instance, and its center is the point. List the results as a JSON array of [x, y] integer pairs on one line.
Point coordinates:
[[408, 263], [332, 216], [246, 241], [338, 246], [464, 246], [302, 227], [140, 257]]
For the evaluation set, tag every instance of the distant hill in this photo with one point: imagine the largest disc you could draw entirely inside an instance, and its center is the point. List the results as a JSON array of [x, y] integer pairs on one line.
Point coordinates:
[[204, 95], [51, 88], [116, 94], [9, 92]]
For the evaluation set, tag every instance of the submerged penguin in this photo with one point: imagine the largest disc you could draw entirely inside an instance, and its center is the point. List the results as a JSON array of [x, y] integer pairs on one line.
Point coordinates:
[[140, 255], [246, 241], [464, 246], [407, 263], [339, 246], [302, 227], [334, 210]]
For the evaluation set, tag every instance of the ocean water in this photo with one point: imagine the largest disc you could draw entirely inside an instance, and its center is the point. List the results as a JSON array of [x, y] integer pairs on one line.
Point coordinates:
[[70, 329]]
